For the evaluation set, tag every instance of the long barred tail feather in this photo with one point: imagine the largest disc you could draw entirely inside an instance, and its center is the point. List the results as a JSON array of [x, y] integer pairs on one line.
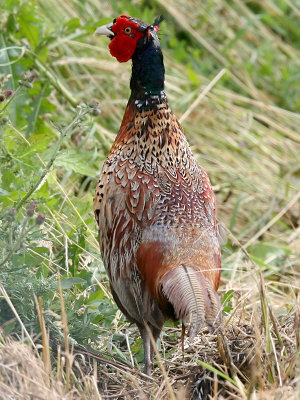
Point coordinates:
[[193, 296]]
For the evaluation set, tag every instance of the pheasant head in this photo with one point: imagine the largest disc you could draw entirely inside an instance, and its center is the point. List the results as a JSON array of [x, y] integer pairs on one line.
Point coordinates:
[[129, 34], [132, 38]]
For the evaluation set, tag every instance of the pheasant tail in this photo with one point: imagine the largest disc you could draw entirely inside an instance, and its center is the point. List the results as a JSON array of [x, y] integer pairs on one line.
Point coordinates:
[[193, 297]]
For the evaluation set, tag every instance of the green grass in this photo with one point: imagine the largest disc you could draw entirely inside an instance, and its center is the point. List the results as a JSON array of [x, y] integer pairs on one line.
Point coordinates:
[[232, 79]]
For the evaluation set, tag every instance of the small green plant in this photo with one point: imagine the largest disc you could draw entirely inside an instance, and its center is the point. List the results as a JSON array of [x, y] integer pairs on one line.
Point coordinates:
[[26, 266], [226, 302]]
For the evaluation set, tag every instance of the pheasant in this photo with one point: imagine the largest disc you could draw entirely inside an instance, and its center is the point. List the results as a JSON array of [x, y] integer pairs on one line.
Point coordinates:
[[154, 204]]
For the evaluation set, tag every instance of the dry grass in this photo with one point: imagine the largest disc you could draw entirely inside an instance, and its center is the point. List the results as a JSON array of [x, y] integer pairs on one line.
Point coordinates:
[[257, 354], [23, 376]]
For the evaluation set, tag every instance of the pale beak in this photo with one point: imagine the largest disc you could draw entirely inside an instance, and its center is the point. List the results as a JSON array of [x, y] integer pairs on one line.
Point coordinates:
[[105, 30]]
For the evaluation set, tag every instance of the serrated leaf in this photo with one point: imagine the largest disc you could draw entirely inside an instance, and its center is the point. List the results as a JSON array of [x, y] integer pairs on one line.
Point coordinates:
[[38, 144], [78, 162]]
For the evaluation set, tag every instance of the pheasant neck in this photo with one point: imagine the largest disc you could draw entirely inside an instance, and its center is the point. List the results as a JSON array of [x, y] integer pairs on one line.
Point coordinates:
[[148, 75]]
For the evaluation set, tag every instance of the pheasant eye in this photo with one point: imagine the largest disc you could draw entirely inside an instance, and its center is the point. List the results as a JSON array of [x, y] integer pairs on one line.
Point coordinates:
[[128, 30]]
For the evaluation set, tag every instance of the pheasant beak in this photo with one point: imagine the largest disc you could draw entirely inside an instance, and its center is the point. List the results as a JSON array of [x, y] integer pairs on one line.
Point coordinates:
[[105, 30]]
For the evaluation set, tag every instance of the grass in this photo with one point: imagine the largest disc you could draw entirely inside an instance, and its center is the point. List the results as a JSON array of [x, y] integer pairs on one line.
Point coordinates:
[[232, 69]]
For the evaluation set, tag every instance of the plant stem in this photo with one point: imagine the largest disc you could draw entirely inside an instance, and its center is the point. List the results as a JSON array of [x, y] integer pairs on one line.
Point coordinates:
[[15, 246], [63, 134]]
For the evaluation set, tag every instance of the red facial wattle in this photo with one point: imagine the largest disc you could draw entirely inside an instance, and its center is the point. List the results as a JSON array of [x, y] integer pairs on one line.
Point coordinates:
[[127, 35]]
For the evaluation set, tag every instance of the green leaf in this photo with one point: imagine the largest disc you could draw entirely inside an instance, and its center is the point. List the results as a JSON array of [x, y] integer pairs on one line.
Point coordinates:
[[39, 143], [262, 251], [216, 371], [96, 296], [227, 296], [73, 24], [35, 110], [78, 162], [30, 23], [6, 69], [31, 32], [226, 301], [11, 23], [43, 191], [67, 283]]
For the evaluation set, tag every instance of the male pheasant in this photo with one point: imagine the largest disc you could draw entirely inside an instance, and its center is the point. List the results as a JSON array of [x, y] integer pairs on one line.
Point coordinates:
[[154, 204]]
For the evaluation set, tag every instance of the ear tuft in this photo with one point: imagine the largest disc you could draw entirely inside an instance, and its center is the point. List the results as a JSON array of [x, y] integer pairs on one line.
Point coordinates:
[[157, 22]]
